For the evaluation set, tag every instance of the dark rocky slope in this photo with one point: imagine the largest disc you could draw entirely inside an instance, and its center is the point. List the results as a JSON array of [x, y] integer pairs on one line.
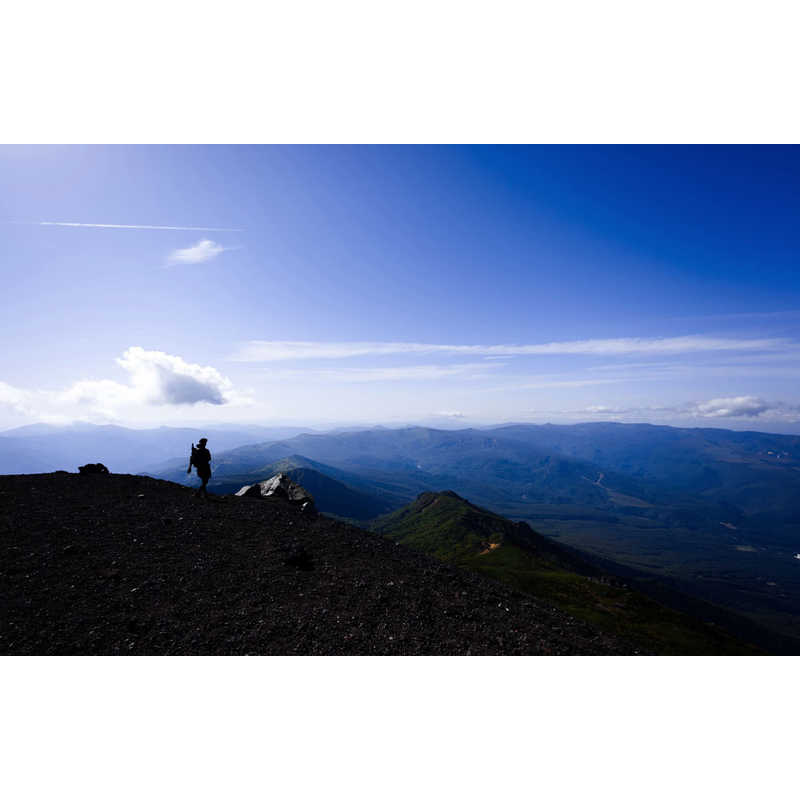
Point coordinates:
[[133, 565]]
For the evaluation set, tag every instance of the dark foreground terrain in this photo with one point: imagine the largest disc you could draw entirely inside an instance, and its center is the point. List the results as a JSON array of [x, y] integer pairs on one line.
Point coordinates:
[[132, 565]]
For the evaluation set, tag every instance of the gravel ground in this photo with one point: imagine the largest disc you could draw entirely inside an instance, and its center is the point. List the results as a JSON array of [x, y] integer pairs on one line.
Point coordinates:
[[120, 564]]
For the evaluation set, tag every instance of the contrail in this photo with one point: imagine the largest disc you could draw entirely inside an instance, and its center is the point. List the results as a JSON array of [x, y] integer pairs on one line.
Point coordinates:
[[136, 227]]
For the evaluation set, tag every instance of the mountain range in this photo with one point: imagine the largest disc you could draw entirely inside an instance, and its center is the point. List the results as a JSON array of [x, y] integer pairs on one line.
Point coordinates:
[[44, 448]]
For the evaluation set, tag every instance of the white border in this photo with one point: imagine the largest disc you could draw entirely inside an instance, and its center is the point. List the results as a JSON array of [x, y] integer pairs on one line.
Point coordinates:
[[398, 727], [433, 71]]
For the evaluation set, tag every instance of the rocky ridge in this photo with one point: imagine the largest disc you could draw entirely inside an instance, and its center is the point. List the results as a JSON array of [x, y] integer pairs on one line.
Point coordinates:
[[120, 564]]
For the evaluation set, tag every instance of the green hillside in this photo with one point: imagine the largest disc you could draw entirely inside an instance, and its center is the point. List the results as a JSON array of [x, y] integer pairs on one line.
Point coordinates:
[[450, 528]]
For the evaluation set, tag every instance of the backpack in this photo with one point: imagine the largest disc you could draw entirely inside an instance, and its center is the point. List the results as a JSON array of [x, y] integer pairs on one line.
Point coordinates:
[[200, 458]]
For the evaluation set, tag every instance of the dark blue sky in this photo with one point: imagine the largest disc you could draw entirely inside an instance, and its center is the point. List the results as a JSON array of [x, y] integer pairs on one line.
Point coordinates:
[[466, 248]]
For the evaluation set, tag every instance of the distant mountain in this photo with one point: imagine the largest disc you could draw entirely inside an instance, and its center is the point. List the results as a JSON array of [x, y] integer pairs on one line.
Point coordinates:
[[252, 463], [19, 458], [452, 529], [334, 497], [331, 494], [333, 489], [44, 448], [474, 463], [698, 475], [749, 469]]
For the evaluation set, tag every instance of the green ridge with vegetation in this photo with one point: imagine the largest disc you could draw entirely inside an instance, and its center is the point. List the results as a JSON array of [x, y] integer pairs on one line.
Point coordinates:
[[446, 526]]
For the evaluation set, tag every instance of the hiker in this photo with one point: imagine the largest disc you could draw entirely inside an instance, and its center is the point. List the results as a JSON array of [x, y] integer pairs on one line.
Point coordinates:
[[201, 459]]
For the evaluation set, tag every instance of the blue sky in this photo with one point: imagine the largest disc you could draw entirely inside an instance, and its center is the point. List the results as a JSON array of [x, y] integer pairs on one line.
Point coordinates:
[[447, 285]]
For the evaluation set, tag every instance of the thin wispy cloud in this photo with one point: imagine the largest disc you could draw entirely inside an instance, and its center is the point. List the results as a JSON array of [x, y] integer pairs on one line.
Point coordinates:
[[421, 372], [743, 407], [745, 315], [561, 383], [204, 250], [137, 227], [761, 365], [292, 350]]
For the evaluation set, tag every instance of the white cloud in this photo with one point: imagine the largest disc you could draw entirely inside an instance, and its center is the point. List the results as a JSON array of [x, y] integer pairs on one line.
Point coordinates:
[[258, 350], [155, 379], [745, 406], [162, 379], [48, 406], [602, 410], [204, 250], [103, 393], [18, 400]]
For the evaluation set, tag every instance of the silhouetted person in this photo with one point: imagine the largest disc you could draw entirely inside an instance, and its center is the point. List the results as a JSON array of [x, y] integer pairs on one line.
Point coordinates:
[[201, 460]]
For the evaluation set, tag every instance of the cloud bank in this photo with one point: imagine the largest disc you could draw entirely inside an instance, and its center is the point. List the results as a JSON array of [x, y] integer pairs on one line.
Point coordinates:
[[155, 378], [18, 400]]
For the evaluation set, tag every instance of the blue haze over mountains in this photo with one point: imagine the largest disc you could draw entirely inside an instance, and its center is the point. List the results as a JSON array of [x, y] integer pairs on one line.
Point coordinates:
[[44, 448]]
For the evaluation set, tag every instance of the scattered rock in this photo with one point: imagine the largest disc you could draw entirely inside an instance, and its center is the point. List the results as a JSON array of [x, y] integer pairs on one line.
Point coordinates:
[[93, 469], [280, 485]]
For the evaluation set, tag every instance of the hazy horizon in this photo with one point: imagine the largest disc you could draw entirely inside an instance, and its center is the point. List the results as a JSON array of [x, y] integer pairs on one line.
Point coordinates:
[[341, 286], [444, 425]]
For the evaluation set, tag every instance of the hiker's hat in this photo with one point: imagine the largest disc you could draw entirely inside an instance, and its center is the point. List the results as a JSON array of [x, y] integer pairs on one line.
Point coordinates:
[[203, 441]]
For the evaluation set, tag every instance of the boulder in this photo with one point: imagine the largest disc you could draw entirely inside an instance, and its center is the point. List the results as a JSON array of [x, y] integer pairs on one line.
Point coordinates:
[[93, 469], [280, 485]]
